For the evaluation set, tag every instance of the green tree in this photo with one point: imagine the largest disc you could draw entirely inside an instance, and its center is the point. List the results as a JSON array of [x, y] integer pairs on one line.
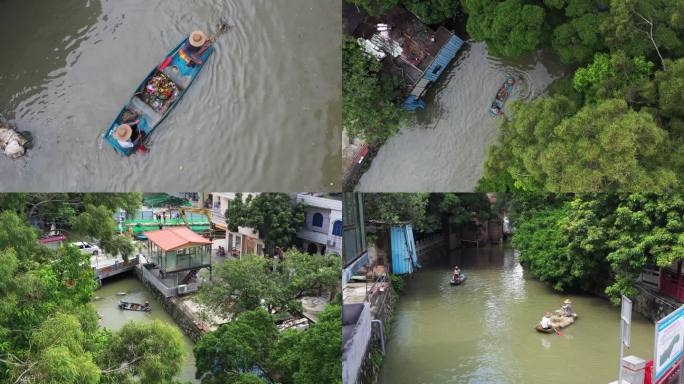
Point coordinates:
[[603, 147], [222, 356], [599, 241], [240, 285], [375, 7], [670, 84], [49, 331], [645, 27], [510, 27], [312, 356], [369, 99], [432, 11], [254, 282], [320, 355], [614, 76], [17, 235], [646, 230], [578, 39], [250, 378], [151, 352], [273, 215], [397, 208], [303, 273]]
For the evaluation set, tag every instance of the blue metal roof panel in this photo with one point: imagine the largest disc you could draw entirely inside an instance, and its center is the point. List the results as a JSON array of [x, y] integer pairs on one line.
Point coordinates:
[[403, 250]]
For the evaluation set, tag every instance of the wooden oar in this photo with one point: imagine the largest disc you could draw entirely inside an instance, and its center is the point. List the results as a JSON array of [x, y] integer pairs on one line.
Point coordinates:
[[557, 332]]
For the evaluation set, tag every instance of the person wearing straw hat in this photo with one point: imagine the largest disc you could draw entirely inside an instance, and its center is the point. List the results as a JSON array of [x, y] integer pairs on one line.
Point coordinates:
[[566, 308], [193, 48], [123, 135]]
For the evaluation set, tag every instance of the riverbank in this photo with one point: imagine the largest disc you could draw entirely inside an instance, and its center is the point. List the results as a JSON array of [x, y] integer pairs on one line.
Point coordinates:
[[482, 331], [445, 146]]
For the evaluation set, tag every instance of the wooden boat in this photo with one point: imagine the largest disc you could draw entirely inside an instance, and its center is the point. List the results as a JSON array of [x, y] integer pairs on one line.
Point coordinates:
[[558, 321], [459, 281], [125, 305], [502, 95], [150, 111]]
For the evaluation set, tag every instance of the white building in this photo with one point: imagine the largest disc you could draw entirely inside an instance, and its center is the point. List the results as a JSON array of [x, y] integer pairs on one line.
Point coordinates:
[[245, 240], [322, 231]]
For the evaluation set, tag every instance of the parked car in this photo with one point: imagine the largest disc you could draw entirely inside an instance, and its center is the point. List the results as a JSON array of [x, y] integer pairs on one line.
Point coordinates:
[[87, 248]]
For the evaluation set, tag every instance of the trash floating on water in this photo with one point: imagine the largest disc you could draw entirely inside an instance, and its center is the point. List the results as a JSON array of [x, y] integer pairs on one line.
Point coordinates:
[[122, 293], [12, 142]]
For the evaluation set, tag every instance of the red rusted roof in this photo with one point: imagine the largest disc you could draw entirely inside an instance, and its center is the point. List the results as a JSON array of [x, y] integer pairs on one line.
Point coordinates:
[[170, 239]]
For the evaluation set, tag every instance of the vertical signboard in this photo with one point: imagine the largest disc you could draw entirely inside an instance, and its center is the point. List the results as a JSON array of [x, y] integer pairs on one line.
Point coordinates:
[[669, 343]]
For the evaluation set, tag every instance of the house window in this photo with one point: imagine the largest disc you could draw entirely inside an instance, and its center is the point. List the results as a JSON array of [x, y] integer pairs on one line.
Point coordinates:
[[337, 228], [317, 220]]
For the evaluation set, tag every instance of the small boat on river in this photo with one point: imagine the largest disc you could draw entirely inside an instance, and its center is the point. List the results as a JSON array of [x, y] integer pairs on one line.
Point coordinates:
[[558, 321], [502, 95], [127, 306], [458, 281], [158, 94]]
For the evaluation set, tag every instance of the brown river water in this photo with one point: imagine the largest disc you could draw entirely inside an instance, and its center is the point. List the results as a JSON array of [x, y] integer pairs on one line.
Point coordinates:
[[263, 114], [482, 331], [445, 146]]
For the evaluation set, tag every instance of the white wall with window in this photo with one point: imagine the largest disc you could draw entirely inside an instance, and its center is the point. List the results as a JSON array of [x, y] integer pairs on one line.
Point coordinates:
[[322, 231]]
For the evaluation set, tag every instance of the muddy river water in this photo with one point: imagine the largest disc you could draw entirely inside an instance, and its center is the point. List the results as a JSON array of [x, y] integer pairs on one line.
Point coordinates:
[[445, 147], [263, 114], [482, 331]]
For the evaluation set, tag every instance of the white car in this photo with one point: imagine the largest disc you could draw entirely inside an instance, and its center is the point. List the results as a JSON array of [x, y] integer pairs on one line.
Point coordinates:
[[87, 248]]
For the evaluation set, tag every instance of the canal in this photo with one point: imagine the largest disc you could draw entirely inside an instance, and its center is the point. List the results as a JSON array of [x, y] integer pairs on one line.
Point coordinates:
[[114, 318], [445, 147], [482, 331], [264, 112]]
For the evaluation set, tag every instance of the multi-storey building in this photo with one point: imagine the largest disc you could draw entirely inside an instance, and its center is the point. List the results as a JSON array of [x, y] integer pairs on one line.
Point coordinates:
[[322, 230]]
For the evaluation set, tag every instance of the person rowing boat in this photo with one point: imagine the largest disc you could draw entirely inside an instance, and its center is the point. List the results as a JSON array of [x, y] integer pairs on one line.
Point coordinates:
[[566, 308], [194, 47]]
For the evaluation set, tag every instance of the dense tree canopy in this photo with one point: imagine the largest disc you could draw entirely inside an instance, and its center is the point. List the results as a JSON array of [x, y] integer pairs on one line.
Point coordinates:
[[272, 214], [510, 27], [600, 241], [602, 147], [369, 99], [426, 212], [432, 11], [229, 354], [254, 282], [49, 332]]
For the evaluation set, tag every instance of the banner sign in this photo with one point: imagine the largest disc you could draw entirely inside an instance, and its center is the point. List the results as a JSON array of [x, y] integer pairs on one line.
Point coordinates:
[[669, 343]]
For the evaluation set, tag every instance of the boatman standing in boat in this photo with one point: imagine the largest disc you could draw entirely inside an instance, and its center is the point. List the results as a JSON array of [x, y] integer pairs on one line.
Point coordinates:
[[546, 321], [193, 48], [566, 308]]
